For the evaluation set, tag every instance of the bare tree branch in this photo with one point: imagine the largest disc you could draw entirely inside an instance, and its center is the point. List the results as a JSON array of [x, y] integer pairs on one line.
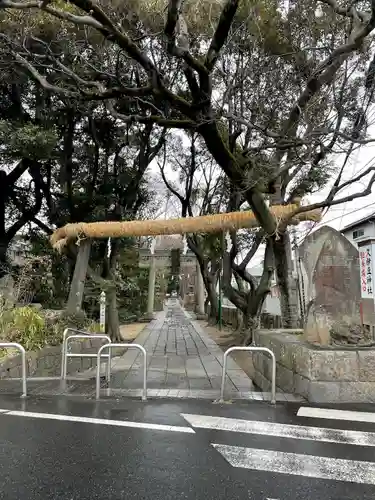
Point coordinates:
[[350, 11], [174, 7], [64, 15], [345, 199], [175, 24], [259, 235], [221, 33], [325, 72], [41, 79], [81, 93], [158, 120]]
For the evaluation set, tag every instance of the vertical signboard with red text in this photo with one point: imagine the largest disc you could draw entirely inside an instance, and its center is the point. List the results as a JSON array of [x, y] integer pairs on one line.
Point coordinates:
[[367, 271]]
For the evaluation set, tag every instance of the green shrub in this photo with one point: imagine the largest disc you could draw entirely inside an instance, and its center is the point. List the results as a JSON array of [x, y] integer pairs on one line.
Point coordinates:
[[25, 325], [35, 328], [93, 327]]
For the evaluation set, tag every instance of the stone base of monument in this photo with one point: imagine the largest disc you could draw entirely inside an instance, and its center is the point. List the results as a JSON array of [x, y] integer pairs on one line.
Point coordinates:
[[319, 374]]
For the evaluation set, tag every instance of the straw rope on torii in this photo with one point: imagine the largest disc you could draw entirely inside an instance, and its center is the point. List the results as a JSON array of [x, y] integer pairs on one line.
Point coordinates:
[[202, 224]]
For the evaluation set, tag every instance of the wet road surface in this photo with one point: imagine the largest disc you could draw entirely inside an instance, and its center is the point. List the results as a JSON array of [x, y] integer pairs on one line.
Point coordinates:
[[76, 449]]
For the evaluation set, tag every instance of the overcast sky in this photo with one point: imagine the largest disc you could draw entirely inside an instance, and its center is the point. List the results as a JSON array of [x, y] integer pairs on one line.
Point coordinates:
[[337, 216], [341, 215]]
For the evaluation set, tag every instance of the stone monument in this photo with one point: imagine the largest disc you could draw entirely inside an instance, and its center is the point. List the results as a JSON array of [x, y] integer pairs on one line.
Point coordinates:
[[330, 275]]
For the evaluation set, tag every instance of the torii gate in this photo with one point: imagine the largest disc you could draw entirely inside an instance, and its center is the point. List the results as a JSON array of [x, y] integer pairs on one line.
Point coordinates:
[[203, 224]]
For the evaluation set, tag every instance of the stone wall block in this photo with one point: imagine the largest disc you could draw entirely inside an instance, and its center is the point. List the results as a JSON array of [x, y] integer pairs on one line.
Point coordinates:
[[285, 379], [277, 346], [357, 392], [346, 365], [324, 392], [267, 367], [13, 361], [302, 360], [288, 355], [301, 385], [366, 361], [334, 365], [322, 365], [32, 363], [15, 372], [258, 360], [264, 338], [261, 381]]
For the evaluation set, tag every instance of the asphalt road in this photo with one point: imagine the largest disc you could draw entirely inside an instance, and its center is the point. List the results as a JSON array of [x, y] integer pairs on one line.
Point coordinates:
[[71, 449]]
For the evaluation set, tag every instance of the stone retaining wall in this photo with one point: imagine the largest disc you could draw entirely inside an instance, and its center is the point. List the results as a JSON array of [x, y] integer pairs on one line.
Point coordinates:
[[47, 361], [320, 375]]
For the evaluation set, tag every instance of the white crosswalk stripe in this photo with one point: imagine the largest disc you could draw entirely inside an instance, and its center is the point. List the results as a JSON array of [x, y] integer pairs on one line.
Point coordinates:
[[281, 430], [333, 414], [298, 464]]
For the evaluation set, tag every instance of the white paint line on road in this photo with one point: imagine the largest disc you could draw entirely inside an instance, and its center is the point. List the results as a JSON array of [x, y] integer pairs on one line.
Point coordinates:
[[298, 465], [100, 421], [322, 434], [327, 413]]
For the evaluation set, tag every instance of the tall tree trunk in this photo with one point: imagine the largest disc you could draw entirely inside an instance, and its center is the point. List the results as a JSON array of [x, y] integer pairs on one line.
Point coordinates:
[[240, 320], [213, 300], [113, 319], [4, 264], [77, 285], [199, 293], [113, 329], [249, 302], [151, 288], [288, 292], [209, 281], [250, 324]]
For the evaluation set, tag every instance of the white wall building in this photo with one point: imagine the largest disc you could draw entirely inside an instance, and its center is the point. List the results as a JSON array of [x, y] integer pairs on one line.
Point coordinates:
[[360, 230]]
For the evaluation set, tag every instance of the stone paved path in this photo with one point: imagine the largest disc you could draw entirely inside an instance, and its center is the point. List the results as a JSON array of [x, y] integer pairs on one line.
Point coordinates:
[[183, 361], [181, 356]]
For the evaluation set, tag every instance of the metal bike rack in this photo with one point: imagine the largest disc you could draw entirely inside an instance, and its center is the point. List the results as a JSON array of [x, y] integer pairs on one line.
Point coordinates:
[[67, 354], [111, 346], [74, 331], [261, 349], [14, 345]]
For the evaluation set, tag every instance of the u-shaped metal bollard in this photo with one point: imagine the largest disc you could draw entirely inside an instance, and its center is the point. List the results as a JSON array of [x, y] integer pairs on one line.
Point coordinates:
[[67, 355], [72, 331], [111, 346], [15, 345], [250, 348]]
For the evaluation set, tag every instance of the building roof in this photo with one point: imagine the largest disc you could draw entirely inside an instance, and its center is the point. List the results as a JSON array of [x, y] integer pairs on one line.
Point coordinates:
[[357, 223]]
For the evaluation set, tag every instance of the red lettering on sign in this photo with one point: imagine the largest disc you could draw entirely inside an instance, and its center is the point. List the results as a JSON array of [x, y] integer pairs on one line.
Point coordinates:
[[364, 256]]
